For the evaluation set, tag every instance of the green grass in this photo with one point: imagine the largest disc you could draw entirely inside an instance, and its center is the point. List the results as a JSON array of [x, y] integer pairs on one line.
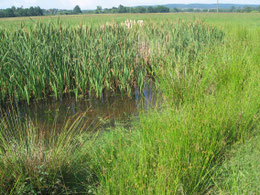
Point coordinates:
[[210, 106], [240, 173], [211, 89], [222, 19], [35, 160], [54, 60]]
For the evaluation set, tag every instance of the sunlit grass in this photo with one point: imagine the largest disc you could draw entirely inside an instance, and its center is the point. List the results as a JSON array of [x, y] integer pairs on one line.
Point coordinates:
[[53, 59], [240, 173], [209, 81]]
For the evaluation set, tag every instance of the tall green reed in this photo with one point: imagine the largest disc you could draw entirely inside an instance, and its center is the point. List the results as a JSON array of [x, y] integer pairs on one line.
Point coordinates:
[[210, 103], [53, 59], [211, 92]]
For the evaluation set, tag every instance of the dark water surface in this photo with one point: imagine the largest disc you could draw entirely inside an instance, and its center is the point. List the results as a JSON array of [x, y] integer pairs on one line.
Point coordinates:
[[108, 108]]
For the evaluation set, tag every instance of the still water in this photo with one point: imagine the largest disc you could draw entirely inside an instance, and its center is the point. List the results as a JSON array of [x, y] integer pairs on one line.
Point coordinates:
[[108, 108]]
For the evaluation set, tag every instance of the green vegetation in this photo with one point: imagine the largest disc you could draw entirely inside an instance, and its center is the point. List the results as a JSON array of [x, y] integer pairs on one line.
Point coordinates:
[[49, 59], [37, 11], [138, 9], [77, 10], [19, 12], [209, 77], [240, 174], [248, 20], [174, 8], [35, 160]]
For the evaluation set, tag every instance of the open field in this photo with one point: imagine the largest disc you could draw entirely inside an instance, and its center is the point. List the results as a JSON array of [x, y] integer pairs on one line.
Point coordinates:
[[206, 67], [222, 19]]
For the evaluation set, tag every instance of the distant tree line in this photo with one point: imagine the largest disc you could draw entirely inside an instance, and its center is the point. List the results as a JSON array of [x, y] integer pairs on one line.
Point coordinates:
[[245, 9], [164, 9], [139, 9], [37, 11], [19, 12], [232, 9]]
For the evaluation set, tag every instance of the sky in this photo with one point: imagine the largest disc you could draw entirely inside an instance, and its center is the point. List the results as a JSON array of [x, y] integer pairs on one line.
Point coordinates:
[[92, 4]]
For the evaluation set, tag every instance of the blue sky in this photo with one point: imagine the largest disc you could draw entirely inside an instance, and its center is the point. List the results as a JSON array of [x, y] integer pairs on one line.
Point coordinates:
[[91, 4]]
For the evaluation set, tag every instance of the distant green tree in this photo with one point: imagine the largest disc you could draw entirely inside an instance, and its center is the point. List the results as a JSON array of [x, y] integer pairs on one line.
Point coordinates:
[[99, 10], [176, 10], [77, 10], [53, 11], [13, 8], [233, 9], [129, 9], [150, 9], [38, 11], [31, 12], [190, 10], [114, 10], [140, 10], [21, 12], [162, 9], [122, 9], [9, 12], [247, 9]]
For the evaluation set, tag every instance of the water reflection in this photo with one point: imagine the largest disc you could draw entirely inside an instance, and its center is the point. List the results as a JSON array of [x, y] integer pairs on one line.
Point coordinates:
[[110, 108]]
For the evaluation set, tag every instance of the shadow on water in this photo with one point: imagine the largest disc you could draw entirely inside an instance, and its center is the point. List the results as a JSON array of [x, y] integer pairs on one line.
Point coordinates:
[[107, 109]]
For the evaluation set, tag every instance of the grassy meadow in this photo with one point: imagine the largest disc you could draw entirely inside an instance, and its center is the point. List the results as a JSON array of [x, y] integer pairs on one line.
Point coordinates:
[[206, 67]]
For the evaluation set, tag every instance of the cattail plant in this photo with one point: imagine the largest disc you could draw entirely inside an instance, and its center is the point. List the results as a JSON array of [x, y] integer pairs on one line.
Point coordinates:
[[49, 59]]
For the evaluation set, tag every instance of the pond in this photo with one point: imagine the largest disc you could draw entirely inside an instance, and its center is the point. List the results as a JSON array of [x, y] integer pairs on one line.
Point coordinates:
[[107, 109]]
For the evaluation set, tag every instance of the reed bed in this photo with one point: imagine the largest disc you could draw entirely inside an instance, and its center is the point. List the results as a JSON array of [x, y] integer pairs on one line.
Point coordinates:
[[210, 84], [52, 59]]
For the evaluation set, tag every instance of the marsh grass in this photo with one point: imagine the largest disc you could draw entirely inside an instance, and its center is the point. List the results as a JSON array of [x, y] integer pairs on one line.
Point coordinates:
[[210, 85], [239, 174], [45, 161], [53, 59], [207, 109]]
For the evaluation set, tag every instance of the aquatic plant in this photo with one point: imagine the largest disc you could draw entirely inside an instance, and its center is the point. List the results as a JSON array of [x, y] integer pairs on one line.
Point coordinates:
[[52, 60], [210, 84]]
